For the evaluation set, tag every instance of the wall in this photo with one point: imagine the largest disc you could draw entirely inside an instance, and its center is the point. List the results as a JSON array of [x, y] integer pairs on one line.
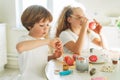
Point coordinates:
[[107, 7], [7, 15], [102, 10]]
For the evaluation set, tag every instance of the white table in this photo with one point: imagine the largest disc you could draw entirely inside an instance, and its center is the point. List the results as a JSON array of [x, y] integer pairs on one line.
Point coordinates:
[[76, 75]]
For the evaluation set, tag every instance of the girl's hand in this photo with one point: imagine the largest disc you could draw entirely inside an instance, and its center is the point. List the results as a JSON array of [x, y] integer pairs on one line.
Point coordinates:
[[98, 27], [83, 21]]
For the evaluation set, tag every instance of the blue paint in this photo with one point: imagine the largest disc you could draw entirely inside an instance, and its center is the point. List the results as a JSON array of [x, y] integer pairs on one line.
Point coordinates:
[[64, 73]]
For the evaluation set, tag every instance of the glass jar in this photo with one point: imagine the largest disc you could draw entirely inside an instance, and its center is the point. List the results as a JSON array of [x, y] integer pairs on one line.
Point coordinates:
[[82, 64]]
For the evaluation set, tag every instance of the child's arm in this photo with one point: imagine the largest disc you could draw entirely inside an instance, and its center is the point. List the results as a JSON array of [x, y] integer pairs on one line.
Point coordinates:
[[76, 46], [99, 42], [31, 44], [58, 51]]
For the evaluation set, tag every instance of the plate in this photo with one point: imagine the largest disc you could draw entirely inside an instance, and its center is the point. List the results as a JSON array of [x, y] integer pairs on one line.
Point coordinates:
[[49, 70], [99, 62], [54, 65]]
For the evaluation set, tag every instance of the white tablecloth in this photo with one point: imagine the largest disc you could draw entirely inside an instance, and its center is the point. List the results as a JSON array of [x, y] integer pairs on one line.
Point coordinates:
[[76, 75]]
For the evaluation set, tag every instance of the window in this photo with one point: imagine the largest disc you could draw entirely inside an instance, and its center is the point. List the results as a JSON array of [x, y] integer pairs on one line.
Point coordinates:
[[21, 5], [54, 6]]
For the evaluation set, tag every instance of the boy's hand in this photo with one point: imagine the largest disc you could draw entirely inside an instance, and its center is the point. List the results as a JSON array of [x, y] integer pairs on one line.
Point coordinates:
[[57, 53], [58, 45], [58, 49], [53, 42]]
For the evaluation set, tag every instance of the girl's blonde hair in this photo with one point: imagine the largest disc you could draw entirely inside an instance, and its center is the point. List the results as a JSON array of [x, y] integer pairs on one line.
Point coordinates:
[[63, 24]]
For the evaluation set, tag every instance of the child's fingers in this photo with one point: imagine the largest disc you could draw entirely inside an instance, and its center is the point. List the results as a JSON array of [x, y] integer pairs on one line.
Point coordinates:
[[95, 20], [97, 23], [57, 53], [58, 45]]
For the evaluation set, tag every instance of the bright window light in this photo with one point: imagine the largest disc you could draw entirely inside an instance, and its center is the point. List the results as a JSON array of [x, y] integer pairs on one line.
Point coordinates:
[[55, 7]]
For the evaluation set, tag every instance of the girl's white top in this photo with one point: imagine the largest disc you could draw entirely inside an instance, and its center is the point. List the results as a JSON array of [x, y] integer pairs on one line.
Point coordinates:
[[68, 35]]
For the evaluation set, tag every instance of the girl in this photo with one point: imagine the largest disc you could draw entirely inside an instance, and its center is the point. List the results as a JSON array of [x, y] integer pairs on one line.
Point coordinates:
[[73, 30]]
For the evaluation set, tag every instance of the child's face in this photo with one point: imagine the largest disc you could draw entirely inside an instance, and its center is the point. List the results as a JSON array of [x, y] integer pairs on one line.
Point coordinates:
[[40, 29], [76, 17]]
